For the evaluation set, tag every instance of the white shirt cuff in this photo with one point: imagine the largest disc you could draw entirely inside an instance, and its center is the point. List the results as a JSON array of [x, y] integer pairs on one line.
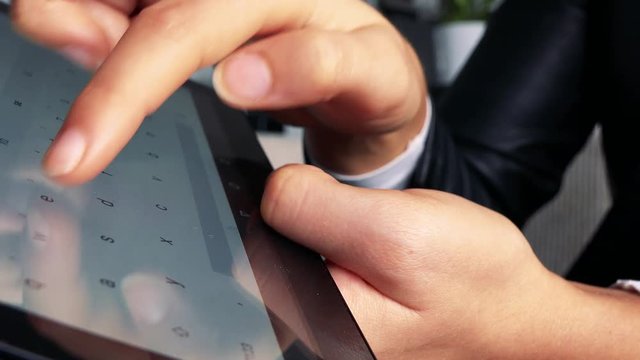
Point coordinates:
[[395, 174], [628, 285]]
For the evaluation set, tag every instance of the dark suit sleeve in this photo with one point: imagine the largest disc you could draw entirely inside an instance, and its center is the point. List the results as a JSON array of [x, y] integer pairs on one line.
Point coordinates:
[[506, 130]]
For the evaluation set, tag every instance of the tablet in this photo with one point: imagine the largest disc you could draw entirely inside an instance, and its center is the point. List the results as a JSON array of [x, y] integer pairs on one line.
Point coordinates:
[[164, 254]]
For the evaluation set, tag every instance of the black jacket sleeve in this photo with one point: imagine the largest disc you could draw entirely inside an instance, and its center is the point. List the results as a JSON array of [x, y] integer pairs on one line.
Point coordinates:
[[507, 128]]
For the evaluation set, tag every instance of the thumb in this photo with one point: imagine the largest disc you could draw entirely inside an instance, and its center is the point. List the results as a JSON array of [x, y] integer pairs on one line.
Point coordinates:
[[361, 230]]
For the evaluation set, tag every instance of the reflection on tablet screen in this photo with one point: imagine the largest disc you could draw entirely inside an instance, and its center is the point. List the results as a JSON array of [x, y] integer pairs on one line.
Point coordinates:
[[148, 253]]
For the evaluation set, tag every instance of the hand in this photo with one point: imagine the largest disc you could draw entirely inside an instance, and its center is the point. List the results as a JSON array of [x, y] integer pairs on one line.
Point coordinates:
[[335, 66], [426, 274]]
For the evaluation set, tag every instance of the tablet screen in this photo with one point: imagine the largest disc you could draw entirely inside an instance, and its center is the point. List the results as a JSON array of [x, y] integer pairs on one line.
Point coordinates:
[[148, 253]]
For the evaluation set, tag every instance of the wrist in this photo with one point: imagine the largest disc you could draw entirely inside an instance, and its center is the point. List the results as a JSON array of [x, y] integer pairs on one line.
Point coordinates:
[[538, 320], [512, 319], [554, 318]]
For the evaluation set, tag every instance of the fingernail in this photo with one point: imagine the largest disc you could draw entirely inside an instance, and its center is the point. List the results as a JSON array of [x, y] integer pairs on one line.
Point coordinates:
[[80, 55], [65, 153], [247, 76]]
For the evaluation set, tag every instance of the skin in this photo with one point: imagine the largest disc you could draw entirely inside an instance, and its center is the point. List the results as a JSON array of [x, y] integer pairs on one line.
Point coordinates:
[[426, 274], [429, 275], [357, 122]]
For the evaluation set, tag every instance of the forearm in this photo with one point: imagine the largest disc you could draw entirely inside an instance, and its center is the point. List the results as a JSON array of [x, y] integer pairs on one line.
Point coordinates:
[[575, 321]]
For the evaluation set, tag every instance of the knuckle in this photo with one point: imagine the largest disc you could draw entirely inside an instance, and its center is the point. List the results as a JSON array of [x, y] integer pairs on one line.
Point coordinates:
[[396, 54], [169, 18], [327, 59]]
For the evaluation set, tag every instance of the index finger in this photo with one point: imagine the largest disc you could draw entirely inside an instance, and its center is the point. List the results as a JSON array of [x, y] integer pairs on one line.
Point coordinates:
[[165, 44]]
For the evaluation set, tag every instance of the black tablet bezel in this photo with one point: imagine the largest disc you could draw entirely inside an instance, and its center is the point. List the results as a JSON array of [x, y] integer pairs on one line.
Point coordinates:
[[332, 332]]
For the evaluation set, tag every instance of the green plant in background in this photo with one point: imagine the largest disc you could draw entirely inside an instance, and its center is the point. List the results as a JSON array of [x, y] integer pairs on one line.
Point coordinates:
[[459, 10]]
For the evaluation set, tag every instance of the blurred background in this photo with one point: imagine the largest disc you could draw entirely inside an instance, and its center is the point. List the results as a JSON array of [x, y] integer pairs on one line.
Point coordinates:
[[444, 33]]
